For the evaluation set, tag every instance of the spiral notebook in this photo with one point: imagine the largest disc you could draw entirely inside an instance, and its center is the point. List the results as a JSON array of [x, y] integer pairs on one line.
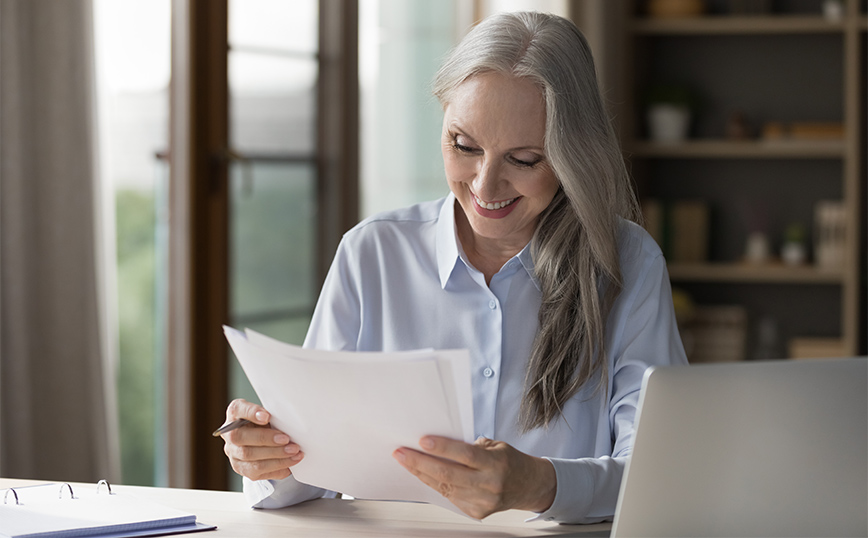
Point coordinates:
[[64, 510]]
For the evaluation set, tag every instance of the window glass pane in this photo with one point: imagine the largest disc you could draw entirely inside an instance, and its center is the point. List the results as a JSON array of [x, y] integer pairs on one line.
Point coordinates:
[[287, 25], [401, 45], [272, 103], [558, 7], [272, 232], [132, 40]]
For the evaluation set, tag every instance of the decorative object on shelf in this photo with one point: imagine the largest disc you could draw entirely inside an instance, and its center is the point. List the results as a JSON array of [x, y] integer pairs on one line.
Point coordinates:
[[830, 223], [750, 7], [668, 123], [817, 130], [680, 228], [833, 10], [767, 344], [669, 112], [803, 130], [738, 127], [794, 251], [816, 348], [757, 250], [774, 130], [675, 8], [719, 334], [690, 223]]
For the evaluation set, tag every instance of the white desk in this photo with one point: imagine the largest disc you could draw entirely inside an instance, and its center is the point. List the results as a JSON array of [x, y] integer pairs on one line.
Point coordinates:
[[335, 518]]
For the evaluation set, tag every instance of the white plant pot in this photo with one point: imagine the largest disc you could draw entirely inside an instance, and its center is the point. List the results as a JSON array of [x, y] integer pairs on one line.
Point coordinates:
[[668, 123]]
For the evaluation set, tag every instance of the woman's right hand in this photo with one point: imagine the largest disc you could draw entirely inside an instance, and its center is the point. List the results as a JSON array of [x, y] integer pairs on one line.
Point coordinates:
[[256, 450]]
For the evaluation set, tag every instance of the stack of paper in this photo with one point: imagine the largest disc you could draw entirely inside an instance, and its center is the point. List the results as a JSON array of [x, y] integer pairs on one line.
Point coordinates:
[[349, 411]]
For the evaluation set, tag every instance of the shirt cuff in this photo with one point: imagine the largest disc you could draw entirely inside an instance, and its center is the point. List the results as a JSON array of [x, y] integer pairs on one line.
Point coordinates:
[[587, 490], [270, 494]]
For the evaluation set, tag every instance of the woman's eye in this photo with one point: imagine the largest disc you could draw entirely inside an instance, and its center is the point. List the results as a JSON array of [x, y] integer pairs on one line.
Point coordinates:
[[459, 144], [526, 163]]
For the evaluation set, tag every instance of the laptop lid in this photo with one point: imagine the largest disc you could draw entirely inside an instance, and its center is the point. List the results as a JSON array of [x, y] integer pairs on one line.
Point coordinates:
[[775, 448]]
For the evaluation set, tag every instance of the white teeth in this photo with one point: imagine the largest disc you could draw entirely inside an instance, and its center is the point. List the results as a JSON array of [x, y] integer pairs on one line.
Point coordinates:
[[492, 206]]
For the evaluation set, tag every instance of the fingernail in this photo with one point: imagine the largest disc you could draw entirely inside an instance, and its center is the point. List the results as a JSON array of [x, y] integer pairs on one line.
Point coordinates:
[[290, 449], [262, 416], [400, 456], [297, 457], [427, 443], [281, 438]]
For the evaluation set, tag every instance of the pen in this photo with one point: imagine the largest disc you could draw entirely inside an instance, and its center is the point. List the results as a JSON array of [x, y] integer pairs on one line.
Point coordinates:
[[229, 426]]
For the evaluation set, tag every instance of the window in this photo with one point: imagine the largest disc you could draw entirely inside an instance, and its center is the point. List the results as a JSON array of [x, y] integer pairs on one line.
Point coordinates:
[[264, 175]]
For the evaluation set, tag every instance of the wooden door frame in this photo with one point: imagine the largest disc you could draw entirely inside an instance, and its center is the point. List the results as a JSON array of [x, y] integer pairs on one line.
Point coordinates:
[[198, 262]]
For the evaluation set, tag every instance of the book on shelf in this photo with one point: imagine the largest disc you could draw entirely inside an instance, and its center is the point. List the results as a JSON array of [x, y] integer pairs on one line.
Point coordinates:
[[680, 227]]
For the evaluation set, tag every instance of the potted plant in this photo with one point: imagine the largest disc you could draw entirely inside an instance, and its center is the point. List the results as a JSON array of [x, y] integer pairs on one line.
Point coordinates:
[[669, 110]]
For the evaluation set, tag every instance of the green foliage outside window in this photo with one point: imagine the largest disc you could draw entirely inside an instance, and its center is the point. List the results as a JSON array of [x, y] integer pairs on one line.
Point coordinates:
[[135, 221]]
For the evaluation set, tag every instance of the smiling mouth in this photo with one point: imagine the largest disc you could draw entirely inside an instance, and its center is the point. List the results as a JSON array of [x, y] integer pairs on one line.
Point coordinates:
[[491, 206]]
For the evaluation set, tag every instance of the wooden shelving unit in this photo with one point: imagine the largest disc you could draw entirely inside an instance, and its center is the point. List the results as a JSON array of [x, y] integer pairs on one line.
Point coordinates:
[[752, 149], [731, 24], [773, 273], [798, 66]]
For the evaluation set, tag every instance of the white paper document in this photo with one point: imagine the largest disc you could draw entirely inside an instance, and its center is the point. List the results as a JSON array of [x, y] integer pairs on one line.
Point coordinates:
[[349, 411]]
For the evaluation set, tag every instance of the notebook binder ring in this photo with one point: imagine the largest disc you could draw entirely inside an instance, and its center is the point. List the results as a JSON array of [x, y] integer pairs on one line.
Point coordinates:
[[14, 494], [107, 486], [60, 493]]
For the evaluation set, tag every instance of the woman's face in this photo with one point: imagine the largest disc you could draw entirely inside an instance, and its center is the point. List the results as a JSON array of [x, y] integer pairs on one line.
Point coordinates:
[[493, 152]]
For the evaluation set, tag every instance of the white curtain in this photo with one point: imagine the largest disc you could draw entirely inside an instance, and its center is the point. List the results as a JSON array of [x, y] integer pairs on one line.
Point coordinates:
[[56, 382]]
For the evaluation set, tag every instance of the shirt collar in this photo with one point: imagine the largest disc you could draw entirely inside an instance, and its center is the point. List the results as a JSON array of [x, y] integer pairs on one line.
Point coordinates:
[[526, 259], [447, 246], [447, 240]]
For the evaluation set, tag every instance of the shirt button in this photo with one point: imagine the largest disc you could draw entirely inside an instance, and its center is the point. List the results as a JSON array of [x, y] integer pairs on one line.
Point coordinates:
[[492, 304], [488, 372]]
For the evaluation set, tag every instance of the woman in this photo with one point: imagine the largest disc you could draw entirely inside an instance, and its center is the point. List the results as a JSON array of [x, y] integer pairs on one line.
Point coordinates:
[[531, 263]]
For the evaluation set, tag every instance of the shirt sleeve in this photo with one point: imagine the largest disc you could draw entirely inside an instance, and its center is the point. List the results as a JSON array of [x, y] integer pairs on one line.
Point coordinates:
[[336, 321], [280, 493], [645, 334]]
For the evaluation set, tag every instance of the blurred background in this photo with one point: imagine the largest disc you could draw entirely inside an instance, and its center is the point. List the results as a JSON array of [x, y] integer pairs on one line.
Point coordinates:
[[169, 166]]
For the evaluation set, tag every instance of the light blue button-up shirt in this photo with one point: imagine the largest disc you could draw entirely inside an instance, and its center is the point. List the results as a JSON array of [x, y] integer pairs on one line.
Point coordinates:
[[400, 281]]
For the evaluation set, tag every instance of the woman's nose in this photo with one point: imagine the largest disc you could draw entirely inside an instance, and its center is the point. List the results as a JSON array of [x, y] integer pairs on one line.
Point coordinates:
[[485, 185]]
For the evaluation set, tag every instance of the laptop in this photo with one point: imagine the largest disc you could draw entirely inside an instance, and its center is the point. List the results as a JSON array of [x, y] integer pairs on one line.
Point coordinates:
[[776, 448]]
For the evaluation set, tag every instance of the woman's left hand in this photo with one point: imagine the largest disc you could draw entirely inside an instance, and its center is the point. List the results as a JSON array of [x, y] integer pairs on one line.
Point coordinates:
[[483, 478]]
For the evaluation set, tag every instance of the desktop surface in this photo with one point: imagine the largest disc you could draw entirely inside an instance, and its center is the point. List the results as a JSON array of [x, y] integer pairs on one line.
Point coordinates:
[[335, 518]]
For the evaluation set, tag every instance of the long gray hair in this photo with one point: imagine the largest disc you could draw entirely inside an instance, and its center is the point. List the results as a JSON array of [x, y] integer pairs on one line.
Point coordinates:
[[575, 246]]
